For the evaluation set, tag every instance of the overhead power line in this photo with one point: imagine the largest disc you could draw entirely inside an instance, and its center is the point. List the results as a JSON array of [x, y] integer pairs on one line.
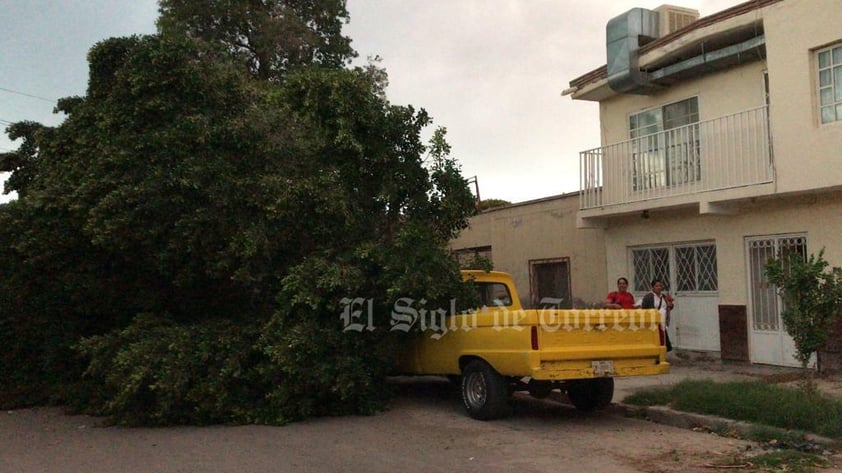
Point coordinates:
[[27, 95]]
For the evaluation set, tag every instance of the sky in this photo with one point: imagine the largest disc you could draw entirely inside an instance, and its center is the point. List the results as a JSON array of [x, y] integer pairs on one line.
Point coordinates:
[[490, 71]]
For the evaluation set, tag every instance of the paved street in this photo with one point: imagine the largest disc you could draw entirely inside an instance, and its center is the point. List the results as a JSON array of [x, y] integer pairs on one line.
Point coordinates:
[[425, 430]]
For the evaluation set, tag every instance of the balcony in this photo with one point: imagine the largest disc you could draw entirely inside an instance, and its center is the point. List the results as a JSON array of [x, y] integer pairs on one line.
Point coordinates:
[[722, 153]]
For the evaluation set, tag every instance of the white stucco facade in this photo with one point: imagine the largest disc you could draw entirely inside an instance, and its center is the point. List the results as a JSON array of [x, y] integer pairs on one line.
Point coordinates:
[[751, 171], [797, 200]]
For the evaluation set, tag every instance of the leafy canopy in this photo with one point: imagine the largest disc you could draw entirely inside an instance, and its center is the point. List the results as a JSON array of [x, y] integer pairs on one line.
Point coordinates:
[[271, 37], [183, 241]]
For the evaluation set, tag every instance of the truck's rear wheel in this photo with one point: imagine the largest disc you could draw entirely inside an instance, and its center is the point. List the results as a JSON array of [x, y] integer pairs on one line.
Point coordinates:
[[485, 392], [591, 394]]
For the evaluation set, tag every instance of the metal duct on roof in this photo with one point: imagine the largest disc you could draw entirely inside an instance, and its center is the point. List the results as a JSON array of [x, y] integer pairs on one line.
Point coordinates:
[[751, 49], [624, 35]]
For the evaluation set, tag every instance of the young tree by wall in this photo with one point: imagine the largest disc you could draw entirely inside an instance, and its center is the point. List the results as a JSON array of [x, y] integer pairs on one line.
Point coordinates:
[[812, 297]]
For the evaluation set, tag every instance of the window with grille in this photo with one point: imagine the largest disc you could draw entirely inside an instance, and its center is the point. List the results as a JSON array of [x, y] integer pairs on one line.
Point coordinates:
[[830, 83], [682, 268], [665, 143], [695, 268], [650, 264]]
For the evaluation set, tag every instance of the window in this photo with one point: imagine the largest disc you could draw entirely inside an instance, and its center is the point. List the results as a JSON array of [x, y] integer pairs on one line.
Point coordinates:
[[473, 258], [650, 264], [830, 83], [696, 268], [550, 283], [689, 268], [494, 294], [665, 143]]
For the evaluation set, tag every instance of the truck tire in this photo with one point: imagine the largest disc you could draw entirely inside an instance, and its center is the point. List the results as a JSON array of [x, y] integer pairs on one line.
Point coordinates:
[[485, 392], [591, 394]]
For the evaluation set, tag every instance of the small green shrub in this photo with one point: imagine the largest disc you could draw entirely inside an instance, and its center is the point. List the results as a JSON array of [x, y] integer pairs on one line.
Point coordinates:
[[812, 297]]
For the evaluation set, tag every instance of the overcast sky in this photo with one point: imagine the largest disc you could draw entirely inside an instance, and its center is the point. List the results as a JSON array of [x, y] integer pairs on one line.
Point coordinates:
[[491, 71]]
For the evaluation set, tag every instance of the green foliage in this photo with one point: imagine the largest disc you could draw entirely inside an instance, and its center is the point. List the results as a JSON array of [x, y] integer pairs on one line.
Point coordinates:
[[790, 461], [477, 262], [758, 402], [788, 439], [23, 162], [243, 210], [271, 37], [157, 372], [812, 298], [487, 204]]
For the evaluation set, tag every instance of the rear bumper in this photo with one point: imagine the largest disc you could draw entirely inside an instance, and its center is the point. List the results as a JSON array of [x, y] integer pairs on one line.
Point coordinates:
[[561, 370]]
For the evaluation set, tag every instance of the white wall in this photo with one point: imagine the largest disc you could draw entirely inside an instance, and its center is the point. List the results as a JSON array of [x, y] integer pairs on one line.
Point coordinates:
[[820, 216]]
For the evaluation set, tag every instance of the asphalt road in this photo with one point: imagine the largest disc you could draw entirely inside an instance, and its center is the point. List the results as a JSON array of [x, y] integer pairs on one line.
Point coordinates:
[[424, 430]]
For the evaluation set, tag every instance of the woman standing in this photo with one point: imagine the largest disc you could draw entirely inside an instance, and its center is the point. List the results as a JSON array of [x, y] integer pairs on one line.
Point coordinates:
[[658, 299], [621, 298]]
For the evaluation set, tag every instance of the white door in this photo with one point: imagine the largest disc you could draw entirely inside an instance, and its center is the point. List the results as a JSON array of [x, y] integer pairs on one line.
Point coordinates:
[[769, 342], [689, 273]]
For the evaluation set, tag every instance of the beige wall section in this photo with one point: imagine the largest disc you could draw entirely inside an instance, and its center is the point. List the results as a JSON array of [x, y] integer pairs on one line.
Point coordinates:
[[541, 229], [819, 216], [724, 93], [807, 153]]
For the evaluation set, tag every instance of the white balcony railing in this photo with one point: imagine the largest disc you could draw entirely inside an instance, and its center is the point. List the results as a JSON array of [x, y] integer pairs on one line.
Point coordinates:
[[726, 152]]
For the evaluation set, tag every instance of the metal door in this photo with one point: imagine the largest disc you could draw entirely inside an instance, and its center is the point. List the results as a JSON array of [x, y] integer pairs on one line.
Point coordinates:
[[769, 343]]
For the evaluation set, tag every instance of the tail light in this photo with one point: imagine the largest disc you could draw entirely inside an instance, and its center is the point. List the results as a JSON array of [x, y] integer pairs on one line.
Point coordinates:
[[535, 337]]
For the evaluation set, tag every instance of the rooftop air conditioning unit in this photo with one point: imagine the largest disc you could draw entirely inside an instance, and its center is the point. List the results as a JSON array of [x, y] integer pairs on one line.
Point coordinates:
[[672, 18]]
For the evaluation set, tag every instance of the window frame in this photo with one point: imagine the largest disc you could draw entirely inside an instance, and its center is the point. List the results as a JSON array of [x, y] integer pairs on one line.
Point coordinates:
[[833, 87], [665, 157], [672, 267]]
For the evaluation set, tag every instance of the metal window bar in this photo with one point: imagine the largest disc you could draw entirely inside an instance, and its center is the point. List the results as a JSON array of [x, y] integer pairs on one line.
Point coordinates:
[[763, 295]]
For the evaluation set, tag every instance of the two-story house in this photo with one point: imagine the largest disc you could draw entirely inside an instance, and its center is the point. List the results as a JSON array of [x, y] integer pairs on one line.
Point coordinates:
[[721, 146]]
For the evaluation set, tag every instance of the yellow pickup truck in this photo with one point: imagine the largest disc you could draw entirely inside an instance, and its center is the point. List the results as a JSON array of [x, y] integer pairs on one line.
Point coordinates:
[[501, 348]]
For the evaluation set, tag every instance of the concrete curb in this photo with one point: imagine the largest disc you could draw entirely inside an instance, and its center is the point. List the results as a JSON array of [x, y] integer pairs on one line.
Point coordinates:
[[689, 420]]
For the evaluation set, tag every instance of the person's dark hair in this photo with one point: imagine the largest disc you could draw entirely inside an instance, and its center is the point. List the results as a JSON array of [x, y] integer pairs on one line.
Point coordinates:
[[655, 281], [622, 279]]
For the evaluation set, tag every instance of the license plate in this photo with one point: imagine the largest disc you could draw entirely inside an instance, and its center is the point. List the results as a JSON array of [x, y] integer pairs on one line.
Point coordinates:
[[603, 367]]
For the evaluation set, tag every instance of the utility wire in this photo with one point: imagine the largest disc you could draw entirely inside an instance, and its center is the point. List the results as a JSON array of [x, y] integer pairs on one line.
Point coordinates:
[[27, 95]]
